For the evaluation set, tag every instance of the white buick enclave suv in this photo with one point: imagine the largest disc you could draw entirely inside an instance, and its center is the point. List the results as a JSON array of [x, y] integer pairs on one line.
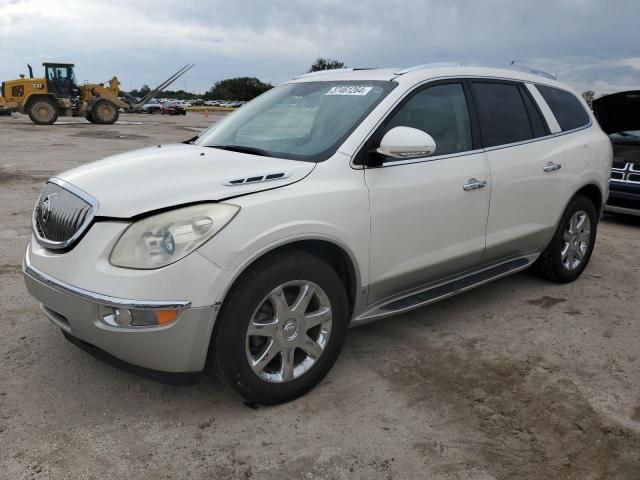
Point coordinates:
[[334, 199]]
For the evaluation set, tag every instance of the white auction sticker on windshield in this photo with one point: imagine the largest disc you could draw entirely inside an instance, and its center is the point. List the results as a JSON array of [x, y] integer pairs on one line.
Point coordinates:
[[349, 90]]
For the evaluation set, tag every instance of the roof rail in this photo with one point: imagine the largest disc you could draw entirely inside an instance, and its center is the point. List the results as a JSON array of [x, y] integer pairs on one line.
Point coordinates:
[[533, 71], [520, 68], [421, 66], [323, 72]]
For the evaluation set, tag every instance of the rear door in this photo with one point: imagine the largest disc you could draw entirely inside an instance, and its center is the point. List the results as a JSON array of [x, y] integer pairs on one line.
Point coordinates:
[[529, 186], [424, 224]]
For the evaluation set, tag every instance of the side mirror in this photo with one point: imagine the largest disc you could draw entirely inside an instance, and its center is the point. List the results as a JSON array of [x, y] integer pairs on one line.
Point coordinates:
[[406, 142]]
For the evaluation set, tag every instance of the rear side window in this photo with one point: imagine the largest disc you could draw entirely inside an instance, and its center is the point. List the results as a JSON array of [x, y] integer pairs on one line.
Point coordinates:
[[538, 125], [565, 106], [504, 117]]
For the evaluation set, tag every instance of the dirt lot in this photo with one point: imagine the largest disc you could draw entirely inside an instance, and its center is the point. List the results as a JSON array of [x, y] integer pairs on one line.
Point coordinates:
[[517, 379]]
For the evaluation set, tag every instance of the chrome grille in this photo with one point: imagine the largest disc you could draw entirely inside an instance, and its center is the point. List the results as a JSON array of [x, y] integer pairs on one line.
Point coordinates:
[[62, 214], [625, 172]]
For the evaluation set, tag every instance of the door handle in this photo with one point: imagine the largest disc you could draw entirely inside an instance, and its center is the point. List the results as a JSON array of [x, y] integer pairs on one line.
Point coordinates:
[[552, 167], [474, 184]]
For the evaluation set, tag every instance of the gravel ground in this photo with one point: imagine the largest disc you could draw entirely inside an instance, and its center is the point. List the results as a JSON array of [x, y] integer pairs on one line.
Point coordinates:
[[516, 379]]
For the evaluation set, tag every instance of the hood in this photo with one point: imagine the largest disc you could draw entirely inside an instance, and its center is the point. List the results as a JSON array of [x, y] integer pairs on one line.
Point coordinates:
[[153, 178], [618, 112]]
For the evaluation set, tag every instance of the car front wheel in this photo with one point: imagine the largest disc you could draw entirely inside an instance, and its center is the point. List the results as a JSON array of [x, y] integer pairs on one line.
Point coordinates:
[[282, 327]]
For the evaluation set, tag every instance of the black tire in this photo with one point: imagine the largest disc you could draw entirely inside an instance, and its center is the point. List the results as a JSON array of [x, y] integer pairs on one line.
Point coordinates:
[[89, 117], [104, 112], [42, 111], [550, 265], [248, 294]]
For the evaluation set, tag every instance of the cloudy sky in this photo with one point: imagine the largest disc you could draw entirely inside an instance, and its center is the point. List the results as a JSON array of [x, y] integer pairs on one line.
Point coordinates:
[[589, 44]]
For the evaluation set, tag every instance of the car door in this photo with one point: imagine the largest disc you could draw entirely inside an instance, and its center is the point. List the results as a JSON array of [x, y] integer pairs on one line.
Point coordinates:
[[428, 215], [529, 188]]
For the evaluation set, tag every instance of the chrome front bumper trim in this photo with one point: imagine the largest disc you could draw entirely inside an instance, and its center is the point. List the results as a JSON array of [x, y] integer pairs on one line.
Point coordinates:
[[181, 346], [40, 276]]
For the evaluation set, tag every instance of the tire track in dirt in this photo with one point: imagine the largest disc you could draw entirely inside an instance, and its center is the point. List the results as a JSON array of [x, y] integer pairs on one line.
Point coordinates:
[[524, 419]]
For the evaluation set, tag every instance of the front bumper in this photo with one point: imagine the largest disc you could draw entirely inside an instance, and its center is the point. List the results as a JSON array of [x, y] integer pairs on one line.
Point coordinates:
[[178, 347]]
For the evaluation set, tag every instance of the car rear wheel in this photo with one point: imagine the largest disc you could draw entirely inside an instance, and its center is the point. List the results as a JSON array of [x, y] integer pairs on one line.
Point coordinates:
[[282, 327], [569, 251]]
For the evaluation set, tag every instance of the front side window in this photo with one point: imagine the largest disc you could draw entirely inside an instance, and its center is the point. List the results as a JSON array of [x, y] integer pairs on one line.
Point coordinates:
[[503, 114], [441, 111], [565, 106], [299, 121], [61, 73]]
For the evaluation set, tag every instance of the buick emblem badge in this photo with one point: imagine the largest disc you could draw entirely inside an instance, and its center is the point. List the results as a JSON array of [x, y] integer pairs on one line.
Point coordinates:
[[45, 209]]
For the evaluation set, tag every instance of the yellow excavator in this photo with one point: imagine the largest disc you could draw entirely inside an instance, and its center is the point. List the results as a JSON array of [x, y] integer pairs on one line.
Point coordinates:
[[58, 94]]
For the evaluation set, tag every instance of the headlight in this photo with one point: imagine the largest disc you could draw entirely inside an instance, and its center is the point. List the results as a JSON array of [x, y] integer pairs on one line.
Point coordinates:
[[165, 238]]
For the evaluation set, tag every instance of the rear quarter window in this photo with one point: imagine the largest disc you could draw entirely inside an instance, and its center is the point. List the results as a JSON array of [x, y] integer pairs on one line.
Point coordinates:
[[567, 109]]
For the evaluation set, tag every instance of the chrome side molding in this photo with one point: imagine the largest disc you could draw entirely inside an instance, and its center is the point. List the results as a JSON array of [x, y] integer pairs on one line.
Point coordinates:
[[416, 298]]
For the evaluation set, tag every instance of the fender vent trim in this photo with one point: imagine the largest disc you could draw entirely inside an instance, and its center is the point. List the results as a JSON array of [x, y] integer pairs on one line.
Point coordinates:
[[261, 178]]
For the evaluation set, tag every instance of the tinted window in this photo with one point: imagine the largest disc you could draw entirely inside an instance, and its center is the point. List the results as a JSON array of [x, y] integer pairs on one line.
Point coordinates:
[[538, 125], [502, 112], [441, 111], [565, 106]]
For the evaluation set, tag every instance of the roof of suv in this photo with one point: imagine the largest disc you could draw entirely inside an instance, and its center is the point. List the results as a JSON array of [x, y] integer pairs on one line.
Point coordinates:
[[431, 71]]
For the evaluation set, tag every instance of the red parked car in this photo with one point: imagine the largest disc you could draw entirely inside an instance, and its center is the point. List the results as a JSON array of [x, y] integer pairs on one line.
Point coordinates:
[[172, 109]]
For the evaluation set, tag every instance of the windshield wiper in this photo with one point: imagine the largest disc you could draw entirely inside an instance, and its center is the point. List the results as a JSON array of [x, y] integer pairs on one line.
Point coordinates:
[[242, 149]]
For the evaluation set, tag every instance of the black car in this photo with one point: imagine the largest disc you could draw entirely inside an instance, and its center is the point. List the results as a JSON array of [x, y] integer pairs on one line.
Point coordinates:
[[619, 116]]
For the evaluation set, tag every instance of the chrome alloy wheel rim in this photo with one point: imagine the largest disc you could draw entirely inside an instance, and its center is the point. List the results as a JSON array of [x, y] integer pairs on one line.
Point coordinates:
[[576, 237], [289, 331]]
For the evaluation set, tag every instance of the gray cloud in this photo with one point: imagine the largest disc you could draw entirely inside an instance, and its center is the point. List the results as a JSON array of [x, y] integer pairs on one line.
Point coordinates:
[[589, 44]]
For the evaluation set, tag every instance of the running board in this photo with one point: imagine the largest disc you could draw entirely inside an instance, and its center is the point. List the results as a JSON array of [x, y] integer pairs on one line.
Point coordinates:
[[405, 302]]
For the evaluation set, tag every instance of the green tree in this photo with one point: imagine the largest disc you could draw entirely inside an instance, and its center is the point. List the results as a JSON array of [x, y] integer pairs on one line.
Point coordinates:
[[140, 93], [241, 88], [325, 64], [588, 96]]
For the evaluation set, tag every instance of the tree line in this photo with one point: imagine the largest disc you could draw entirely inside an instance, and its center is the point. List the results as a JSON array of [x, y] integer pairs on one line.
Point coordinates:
[[239, 88]]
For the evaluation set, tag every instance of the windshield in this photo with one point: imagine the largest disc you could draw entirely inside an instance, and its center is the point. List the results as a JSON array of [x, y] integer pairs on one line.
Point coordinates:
[[299, 121]]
